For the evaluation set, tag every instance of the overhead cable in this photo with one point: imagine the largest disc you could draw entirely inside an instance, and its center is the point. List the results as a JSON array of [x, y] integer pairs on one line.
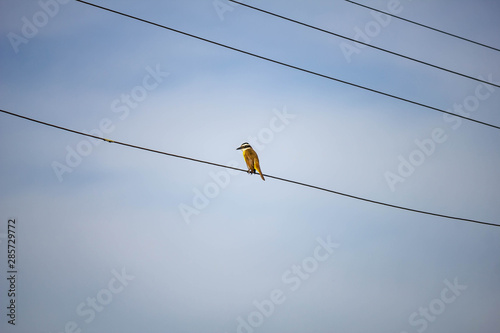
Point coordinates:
[[290, 66], [423, 25], [242, 170], [366, 44]]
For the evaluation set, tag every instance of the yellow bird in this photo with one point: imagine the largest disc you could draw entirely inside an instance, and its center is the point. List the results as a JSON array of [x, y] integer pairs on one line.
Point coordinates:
[[251, 158]]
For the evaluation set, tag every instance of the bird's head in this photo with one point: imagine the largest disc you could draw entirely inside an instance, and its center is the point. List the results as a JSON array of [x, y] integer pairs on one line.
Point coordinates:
[[244, 146]]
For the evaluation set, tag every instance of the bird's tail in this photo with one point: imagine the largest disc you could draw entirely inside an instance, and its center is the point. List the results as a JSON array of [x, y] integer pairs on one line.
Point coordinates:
[[260, 173], [257, 167]]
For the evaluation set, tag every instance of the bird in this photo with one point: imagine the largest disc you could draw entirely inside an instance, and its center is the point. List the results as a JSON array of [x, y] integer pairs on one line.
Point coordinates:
[[251, 158]]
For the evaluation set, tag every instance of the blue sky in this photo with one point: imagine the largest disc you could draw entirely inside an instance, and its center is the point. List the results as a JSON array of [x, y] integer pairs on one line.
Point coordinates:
[[115, 239]]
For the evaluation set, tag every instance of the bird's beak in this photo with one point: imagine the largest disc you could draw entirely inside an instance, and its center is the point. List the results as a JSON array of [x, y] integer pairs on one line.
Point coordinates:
[[238, 148]]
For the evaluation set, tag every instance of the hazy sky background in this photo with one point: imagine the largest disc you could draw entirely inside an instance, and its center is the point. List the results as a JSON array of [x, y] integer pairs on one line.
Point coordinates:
[[115, 211]]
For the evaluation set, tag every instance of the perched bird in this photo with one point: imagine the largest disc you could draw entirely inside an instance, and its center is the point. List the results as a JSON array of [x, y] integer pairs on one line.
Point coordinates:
[[251, 158]]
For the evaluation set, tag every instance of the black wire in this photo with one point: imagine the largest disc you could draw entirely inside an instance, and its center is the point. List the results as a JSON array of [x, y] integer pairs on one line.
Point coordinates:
[[423, 25], [242, 170], [288, 65], [366, 44]]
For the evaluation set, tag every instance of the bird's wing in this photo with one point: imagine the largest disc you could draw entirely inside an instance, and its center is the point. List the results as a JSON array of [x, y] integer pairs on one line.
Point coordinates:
[[249, 161]]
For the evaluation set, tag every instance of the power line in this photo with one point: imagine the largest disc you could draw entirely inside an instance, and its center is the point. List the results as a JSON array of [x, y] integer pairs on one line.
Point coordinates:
[[366, 44], [423, 25], [289, 66], [242, 170]]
